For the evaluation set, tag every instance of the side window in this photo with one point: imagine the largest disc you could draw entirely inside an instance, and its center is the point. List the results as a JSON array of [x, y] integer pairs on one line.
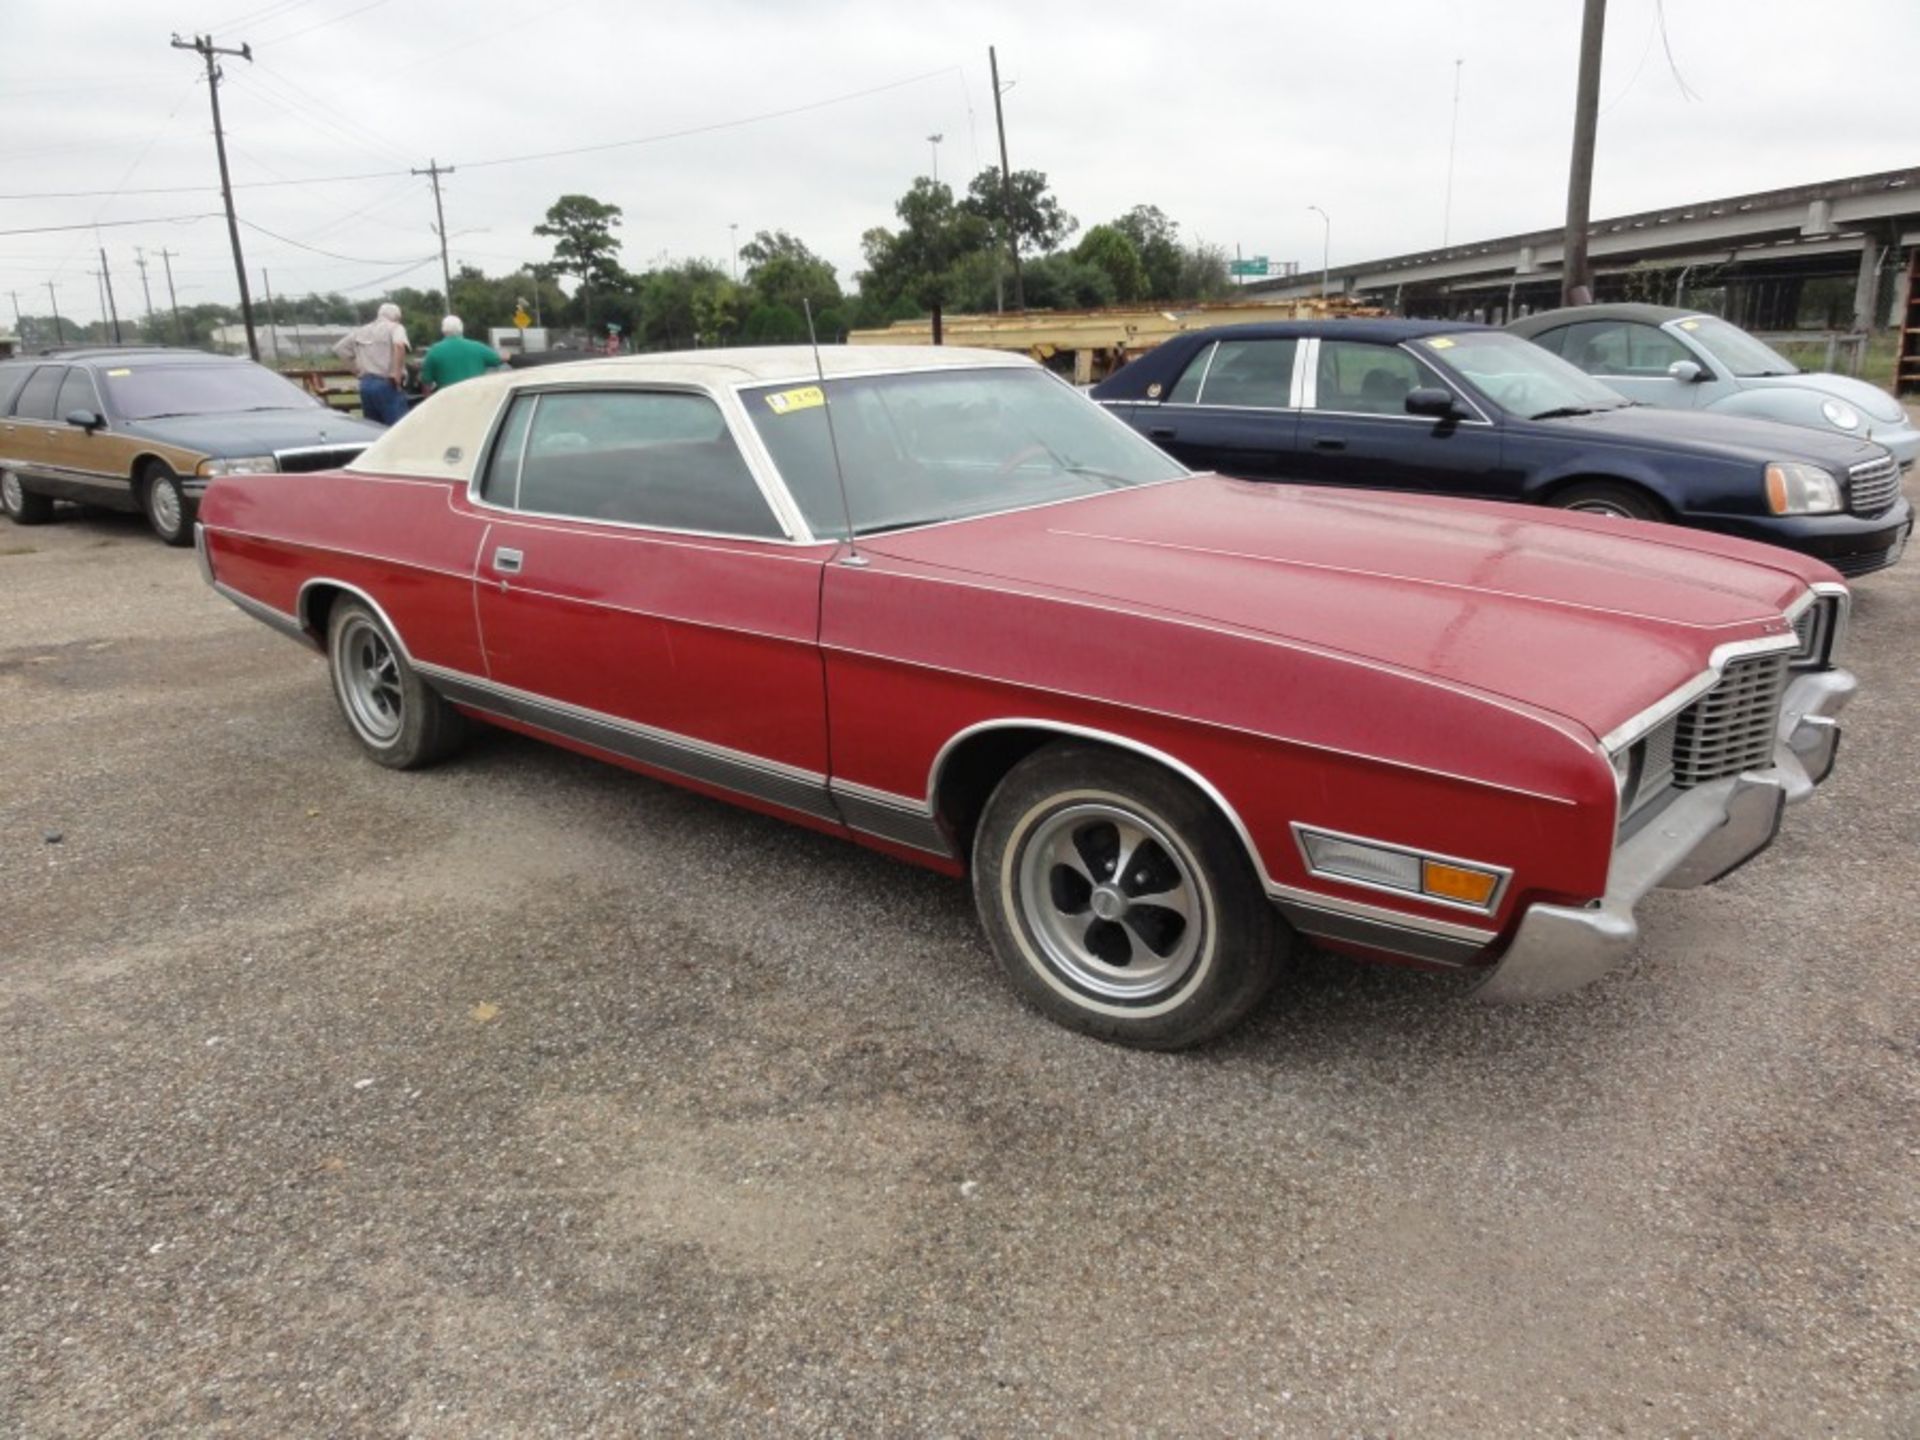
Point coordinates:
[[1365, 379], [652, 458], [12, 377], [500, 483], [1598, 347], [76, 393], [37, 395], [1554, 340], [1251, 373], [1186, 390], [1650, 350]]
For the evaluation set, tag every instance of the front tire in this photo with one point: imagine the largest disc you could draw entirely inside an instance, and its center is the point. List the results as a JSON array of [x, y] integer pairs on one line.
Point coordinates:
[[1601, 497], [165, 503], [20, 504], [397, 719], [1120, 902]]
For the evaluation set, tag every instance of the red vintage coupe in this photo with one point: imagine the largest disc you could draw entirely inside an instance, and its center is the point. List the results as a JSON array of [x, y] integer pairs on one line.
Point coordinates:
[[936, 602]]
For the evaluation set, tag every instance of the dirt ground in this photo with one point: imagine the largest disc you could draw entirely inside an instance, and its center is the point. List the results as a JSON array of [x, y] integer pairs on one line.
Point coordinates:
[[525, 1096]]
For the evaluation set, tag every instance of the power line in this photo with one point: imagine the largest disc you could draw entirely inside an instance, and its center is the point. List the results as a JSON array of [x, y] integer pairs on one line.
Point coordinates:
[[315, 249], [114, 224], [323, 24]]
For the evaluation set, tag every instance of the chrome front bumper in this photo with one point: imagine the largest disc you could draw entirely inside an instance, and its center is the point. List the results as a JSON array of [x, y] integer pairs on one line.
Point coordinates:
[[1702, 835]]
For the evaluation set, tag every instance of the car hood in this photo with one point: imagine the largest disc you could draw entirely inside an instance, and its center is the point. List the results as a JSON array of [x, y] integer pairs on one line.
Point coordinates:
[[1732, 437], [1593, 619], [256, 433], [1869, 400]]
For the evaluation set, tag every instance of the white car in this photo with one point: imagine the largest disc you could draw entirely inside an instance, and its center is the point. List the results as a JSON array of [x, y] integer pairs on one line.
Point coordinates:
[[1683, 360]]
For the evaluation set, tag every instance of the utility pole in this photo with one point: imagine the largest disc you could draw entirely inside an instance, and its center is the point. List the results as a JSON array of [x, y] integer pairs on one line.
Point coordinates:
[[273, 335], [733, 242], [14, 295], [434, 171], [140, 259], [1006, 183], [1576, 277], [173, 300], [54, 301], [100, 294], [106, 278], [933, 144], [203, 46]]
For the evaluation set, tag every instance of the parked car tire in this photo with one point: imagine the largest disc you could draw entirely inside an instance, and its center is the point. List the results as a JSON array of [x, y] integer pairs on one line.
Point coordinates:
[[21, 505], [167, 508], [397, 719], [1605, 497], [1175, 948]]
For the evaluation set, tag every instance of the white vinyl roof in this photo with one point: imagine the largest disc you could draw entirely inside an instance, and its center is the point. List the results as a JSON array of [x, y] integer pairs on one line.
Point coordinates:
[[444, 434]]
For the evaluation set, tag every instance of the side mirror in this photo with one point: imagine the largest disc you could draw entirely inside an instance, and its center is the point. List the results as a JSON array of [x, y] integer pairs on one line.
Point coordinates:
[[1686, 371], [87, 420], [1432, 400]]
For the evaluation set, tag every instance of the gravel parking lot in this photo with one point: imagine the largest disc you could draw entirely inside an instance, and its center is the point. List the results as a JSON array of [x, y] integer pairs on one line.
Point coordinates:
[[527, 1096]]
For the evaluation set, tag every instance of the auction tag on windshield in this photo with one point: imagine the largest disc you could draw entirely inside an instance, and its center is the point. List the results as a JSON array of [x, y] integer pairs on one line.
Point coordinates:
[[807, 397], [1689, 324], [1441, 343], [116, 374]]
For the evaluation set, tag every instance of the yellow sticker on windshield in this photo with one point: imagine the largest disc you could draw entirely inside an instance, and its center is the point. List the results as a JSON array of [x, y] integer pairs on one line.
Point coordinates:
[[1689, 324], [1442, 343], [116, 374], [807, 397]]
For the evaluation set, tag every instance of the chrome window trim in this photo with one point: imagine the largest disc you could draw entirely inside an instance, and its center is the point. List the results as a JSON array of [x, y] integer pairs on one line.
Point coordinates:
[[1503, 872], [732, 416], [1206, 372]]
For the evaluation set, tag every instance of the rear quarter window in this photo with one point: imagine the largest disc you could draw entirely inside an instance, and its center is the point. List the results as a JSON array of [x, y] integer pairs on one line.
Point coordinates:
[[36, 397]]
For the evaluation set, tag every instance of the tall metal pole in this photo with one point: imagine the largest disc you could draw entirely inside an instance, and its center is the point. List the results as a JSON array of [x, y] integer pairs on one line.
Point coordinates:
[[54, 301], [1326, 248], [140, 259], [106, 279], [1576, 276], [203, 46], [1006, 182], [434, 171], [100, 297], [733, 246], [933, 144], [1453, 140], [179, 330]]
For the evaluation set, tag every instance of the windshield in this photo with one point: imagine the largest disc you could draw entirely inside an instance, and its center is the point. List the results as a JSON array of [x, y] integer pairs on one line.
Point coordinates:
[[945, 444], [148, 392], [1736, 349], [1518, 375]]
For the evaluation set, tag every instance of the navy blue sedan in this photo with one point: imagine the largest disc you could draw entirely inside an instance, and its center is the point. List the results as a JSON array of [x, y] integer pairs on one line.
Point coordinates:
[[1467, 410]]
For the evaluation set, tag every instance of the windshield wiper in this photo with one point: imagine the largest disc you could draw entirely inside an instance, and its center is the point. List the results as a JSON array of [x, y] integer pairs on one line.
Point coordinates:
[[1118, 482], [1560, 411]]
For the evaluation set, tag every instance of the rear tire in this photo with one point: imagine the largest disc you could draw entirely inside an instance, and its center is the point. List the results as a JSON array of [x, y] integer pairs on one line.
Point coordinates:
[[165, 504], [397, 719], [1120, 902], [20, 504], [1602, 497]]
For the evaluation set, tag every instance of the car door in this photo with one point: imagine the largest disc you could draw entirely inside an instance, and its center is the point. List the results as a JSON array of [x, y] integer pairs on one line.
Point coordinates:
[[31, 431], [96, 461], [1235, 409], [1636, 359], [636, 592], [1355, 429]]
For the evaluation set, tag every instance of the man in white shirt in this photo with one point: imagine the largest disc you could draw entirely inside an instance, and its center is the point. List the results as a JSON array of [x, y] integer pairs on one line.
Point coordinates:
[[378, 353]]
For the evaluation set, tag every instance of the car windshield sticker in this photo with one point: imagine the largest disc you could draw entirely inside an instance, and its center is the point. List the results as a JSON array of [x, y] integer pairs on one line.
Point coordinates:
[[1689, 324], [807, 397], [1442, 343], [116, 374]]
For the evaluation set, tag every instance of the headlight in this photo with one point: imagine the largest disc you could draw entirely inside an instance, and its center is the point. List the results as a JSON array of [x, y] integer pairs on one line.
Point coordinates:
[[1801, 489], [240, 465], [1838, 412]]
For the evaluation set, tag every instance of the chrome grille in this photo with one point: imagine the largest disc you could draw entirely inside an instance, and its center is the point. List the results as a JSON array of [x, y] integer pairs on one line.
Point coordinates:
[[1732, 727], [318, 457], [1872, 485]]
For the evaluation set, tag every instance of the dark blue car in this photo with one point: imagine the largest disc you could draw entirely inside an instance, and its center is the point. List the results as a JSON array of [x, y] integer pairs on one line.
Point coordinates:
[[1467, 410]]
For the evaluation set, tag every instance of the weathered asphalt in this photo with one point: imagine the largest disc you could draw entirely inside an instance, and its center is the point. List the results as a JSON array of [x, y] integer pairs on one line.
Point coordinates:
[[529, 1097]]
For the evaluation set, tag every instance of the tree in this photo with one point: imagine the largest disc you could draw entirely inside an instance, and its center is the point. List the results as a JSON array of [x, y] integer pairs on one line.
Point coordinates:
[[584, 247], [782, 273], [1106, 248], [1060, 282], [687, 305], [923, 260], [1156, 238], [1203, 272], [1040, 224]]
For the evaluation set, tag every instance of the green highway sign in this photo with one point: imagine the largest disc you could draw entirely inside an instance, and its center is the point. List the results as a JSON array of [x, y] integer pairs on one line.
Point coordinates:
[[1256, 266]]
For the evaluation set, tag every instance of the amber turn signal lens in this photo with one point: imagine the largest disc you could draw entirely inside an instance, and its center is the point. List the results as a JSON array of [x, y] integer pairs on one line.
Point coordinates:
[[1456, 882]]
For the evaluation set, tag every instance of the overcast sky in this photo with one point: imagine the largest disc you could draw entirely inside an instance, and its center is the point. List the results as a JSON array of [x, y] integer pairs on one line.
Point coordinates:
[[1233, 118]]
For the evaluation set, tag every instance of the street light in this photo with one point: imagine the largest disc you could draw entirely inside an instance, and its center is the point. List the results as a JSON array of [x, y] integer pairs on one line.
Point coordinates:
[[733, 239], [1326, 247], [933, 144]]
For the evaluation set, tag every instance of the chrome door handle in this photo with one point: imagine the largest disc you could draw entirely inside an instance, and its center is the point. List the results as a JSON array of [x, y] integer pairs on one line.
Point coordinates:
[[506, 561]]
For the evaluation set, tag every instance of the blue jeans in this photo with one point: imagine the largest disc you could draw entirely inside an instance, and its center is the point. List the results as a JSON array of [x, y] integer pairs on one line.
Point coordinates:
[[381, 400]]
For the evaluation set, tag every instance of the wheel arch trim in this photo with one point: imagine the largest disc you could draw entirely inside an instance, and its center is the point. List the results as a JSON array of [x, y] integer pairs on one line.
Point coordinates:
[[303, 613]]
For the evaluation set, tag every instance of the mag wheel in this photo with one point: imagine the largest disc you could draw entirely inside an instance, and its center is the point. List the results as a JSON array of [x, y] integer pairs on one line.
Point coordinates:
[[1119, 900], [1623, 502], [397, 720], [168, 511]]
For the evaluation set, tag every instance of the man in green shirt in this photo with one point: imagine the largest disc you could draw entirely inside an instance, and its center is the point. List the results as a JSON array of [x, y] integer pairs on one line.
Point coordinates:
[[455, 358]]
